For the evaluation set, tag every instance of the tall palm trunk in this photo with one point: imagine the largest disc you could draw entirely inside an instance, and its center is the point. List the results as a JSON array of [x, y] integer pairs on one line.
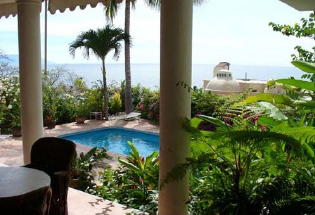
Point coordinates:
[[128, 96], [105, 90]]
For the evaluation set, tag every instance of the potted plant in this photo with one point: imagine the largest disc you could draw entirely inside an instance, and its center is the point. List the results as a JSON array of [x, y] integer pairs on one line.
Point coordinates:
[[49, 105], [50, 122]]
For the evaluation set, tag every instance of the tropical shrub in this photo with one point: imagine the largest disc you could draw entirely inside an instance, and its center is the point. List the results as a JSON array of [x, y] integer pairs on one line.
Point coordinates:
[[241, 168], [82, 108], [149, 105], [134, 183], [10, 102], [100, 42], [204, 102], [49, 103], [94, 97], [82, 168], [65, 108], [60, 92], [299, 101], [137, 91], [115, 104]]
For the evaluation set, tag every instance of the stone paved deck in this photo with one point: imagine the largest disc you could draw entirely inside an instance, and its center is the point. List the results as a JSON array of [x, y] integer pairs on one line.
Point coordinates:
[[80, 203], [11, 148]]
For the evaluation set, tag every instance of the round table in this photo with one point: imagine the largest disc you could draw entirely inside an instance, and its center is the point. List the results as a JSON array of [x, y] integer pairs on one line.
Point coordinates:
[[16, 181]]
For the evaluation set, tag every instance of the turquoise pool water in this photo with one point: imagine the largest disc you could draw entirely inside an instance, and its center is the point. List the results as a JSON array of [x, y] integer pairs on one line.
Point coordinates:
[[115, 139]]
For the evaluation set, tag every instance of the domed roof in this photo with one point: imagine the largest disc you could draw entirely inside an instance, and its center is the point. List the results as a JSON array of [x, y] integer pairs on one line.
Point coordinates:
[[216, 84]]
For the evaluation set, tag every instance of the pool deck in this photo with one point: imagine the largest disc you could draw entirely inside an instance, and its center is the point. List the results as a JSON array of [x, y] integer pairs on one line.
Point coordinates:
[[79, 203], [11, 148]]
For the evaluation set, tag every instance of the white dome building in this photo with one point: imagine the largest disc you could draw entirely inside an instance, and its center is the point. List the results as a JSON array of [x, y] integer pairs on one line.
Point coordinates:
[[222, 81]]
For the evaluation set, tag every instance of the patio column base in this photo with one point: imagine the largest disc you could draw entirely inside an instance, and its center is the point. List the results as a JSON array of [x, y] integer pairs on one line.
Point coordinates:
[[175, 102], [30, 73]]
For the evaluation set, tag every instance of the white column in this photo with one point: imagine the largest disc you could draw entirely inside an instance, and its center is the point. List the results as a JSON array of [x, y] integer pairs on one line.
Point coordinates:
[[176, 52], [30, 73]]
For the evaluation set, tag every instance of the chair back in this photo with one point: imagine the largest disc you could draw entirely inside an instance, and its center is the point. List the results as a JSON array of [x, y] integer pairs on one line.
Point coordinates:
[[52, 154]]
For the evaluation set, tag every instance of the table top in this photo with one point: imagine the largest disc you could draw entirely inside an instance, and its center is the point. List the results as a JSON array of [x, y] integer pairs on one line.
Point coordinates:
[[15, 181]]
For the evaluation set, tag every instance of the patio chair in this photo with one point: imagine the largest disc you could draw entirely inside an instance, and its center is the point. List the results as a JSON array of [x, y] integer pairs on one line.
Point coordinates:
[[55, 156], [132, 116], [36, 203]]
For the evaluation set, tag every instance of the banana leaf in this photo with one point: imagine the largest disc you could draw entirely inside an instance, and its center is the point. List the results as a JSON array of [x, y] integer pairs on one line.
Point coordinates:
[[304, 66], [298, 83]]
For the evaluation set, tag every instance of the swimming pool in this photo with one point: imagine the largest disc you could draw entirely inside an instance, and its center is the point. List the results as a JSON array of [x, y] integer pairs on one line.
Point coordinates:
[[115, 139]]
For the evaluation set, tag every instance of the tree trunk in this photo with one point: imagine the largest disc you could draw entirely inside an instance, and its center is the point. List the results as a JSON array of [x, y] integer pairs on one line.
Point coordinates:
[[128, 96], [105, 91]]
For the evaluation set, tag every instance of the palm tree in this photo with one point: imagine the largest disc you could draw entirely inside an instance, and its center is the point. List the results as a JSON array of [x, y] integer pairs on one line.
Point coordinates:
[[100, 42], [111, 8]]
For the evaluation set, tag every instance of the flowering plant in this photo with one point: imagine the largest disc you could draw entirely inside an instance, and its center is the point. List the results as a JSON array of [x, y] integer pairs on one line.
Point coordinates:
[[149, 106], [10, 101]]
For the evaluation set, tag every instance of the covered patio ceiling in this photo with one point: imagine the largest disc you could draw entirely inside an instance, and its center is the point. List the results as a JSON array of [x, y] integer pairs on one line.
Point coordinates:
[[302, 5], [9, 7]]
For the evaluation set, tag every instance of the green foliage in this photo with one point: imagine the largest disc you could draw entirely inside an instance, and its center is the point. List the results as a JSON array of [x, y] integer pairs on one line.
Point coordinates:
[[265, 108], [302, 92], [144, 170], [134, 183], [115, 103], [94, 97], [65, 108], [204, 102], [100, 42], [83, 165], [62, 91], [95, 41], [137, 92], [149, 105], [50, 95], [243, 169], [306, 85], [10, 102], [304, 66], [82, 108], [304, 29], [267, 97]]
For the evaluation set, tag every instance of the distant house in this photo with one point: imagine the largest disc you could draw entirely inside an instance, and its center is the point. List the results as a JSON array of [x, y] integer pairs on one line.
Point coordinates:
[[222, 83]]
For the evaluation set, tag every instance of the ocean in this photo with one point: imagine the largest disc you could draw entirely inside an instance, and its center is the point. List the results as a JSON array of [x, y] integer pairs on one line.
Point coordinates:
[[148, 74]]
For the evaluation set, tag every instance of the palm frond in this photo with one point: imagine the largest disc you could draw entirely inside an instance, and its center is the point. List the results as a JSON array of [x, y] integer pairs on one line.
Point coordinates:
[[100, 42], [110, 9], [199, 2], [156, 4]]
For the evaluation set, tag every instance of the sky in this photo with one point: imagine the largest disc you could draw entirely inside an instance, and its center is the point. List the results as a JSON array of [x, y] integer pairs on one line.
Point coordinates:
[[236, 31]]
